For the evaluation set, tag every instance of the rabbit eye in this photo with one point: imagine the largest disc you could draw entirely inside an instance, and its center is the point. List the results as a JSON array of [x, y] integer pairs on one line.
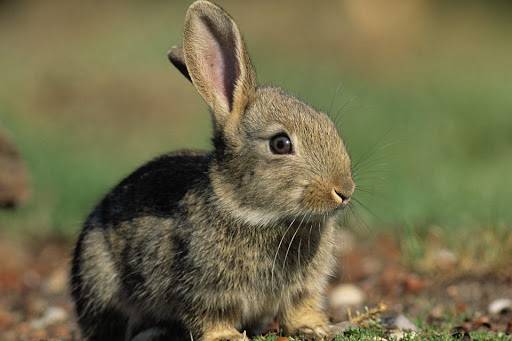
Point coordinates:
[[281, 144]]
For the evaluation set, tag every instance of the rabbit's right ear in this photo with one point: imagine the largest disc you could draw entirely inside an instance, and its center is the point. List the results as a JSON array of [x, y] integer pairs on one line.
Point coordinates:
[[217, 61]]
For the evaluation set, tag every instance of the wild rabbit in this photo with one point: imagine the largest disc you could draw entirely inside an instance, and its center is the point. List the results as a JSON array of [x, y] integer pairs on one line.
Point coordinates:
[[215, 245]]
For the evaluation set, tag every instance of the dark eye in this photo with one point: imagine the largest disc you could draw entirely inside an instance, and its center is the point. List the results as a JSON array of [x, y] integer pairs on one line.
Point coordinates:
[[281, 144]]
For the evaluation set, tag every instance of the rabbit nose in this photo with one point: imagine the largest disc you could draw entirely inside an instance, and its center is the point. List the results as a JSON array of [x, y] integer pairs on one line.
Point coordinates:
[[342, 193], [340, 197]]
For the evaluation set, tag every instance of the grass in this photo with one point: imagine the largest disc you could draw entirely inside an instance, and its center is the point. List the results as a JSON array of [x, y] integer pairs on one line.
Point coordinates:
[[443, 332]]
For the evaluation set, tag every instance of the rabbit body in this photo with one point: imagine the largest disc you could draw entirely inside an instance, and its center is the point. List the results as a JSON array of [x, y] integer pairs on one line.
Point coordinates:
[[176, 256], [209, 245]]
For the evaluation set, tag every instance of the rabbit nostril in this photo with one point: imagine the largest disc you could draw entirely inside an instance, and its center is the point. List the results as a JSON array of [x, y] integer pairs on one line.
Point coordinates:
[[343, 196], [340, 197]]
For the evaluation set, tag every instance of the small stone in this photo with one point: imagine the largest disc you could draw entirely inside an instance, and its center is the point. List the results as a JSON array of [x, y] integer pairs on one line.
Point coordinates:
[[500, 306], [57, 282], [345, 295], [399, 322], [51, 316], [403, 323], [445, 259]]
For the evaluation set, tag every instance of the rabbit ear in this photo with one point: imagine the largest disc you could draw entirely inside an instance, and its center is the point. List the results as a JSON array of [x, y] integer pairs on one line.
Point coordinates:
[[177, 59], [217, 60]]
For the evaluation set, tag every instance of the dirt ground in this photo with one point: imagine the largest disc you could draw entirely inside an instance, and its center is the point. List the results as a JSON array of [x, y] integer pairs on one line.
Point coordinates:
[[34, 302]]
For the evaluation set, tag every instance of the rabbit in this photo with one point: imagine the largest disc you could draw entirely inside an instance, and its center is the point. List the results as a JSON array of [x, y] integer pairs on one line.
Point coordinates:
[[216, 245]]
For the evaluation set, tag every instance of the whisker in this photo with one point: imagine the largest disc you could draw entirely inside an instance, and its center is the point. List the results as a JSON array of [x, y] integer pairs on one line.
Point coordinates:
[[291, 241], [336, 92], [309, 238], [371, 166], [364, 190], [359, 219], [344, 218], [341, 111], [277, 252], [360, 203], [298, 252], [375, 147]]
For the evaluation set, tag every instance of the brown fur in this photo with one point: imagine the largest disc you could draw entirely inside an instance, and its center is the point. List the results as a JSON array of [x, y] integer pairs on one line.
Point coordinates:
[[212, 244]]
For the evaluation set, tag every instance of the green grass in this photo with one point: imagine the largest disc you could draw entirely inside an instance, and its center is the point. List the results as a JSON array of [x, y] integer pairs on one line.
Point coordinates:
[[444, 332], [447, 328]]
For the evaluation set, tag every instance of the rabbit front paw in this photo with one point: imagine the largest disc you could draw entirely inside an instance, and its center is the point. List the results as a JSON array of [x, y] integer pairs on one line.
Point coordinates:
[[324, 331], [224, 334]]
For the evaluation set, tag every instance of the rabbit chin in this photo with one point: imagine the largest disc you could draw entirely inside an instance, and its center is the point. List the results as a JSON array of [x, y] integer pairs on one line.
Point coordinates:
[[263, 217], [258, 217]]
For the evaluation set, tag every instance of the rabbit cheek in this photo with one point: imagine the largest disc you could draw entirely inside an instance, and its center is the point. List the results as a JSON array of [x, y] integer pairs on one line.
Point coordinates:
[[296, 194]]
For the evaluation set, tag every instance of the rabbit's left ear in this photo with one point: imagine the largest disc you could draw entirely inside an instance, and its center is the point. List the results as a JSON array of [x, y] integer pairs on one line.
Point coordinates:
[[217, 61]]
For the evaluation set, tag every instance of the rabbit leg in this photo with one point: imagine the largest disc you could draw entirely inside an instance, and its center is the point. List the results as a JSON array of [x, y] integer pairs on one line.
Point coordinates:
[[103, 325], [148, 328], [222, 332], [306, 318], [94, 287]]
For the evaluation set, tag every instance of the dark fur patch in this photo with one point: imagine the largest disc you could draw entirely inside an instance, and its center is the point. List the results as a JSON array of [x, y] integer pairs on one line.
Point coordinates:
[[170, 330], [155, 189], [220, 147]]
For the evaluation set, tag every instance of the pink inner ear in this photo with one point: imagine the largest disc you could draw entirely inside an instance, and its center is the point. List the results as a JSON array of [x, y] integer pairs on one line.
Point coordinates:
[[216, 68], [220, 62]]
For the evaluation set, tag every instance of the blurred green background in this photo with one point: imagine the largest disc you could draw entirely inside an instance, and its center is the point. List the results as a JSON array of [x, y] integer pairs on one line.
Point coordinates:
[[422, 92]]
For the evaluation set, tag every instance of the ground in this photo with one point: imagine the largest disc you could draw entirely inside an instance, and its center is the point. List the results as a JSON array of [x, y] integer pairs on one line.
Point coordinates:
[[35, 305]]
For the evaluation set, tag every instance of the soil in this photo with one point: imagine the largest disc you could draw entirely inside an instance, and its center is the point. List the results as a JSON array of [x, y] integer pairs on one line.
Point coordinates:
[[35, 305]]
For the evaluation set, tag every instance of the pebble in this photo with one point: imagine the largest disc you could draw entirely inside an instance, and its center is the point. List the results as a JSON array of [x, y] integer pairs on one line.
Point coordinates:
[[399, 322], [57, 282], [445, 259], [500, 306], [51, 316], [345, 295]]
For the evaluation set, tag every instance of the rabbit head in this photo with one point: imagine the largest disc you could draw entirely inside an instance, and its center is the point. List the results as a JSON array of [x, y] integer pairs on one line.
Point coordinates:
[[275, 156]]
